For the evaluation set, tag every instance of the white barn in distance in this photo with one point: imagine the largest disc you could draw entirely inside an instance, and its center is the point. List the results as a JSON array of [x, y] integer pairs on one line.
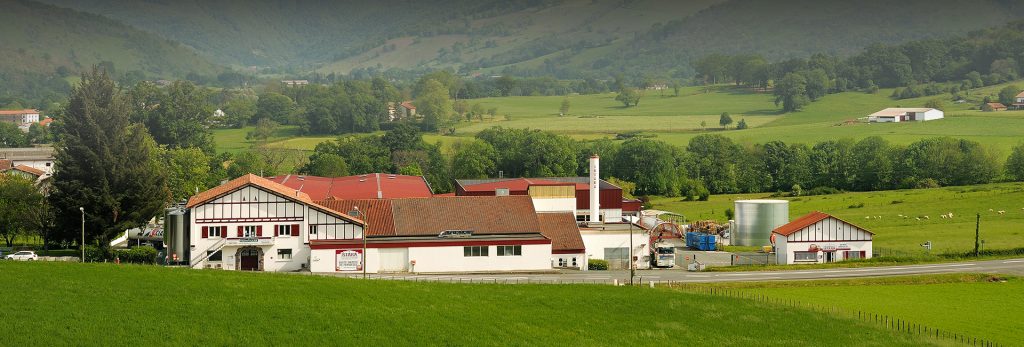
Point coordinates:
[[896, 115], [820, 238]]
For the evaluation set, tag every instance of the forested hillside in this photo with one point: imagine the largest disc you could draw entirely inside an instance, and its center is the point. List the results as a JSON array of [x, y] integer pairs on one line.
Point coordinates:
[[564, 38], [43, 44]]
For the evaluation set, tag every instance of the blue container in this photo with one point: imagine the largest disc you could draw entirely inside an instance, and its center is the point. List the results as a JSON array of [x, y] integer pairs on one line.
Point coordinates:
[[699, 241]]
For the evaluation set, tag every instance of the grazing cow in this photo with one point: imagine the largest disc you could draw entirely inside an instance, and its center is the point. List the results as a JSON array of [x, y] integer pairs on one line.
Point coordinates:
[[1001, 212]]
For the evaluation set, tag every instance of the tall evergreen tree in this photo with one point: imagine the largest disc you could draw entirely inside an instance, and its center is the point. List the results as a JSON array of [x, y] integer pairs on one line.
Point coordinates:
[[105, 164]]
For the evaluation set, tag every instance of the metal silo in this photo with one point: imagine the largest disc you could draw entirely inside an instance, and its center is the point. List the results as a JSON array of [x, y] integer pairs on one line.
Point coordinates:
[[175, 233], [755, 220]]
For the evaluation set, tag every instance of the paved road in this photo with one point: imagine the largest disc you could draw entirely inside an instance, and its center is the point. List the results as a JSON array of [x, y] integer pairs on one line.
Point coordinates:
[[1003, 266]]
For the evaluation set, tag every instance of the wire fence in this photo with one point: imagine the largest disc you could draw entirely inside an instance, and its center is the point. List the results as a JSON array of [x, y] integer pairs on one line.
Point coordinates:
[[891, 323]]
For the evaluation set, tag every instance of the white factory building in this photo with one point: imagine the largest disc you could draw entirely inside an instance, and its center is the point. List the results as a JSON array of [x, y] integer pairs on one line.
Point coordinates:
[[255, 224], [820, 238]]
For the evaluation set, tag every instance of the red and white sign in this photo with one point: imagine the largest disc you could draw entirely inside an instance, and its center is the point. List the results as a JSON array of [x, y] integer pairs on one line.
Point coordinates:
[[349, 260]]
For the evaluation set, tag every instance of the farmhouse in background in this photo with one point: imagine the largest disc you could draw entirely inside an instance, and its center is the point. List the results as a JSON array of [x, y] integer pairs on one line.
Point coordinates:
[[820, 238], [22, 118], [896, 115], [995, 106], [1018, 101], [40, 158], [295, 83]]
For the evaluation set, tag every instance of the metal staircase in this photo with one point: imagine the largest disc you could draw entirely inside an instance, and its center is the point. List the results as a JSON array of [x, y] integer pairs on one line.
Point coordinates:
[[208, 252]]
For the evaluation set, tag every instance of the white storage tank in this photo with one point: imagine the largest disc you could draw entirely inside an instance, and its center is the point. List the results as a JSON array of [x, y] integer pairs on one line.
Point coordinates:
[[755, 220]]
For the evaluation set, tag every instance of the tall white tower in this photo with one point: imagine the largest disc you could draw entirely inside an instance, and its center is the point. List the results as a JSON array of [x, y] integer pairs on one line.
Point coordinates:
[[595, 189]]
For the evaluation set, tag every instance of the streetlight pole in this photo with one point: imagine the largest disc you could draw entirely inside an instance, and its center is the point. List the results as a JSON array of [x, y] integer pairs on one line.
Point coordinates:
[[82, 209], [363, 216]]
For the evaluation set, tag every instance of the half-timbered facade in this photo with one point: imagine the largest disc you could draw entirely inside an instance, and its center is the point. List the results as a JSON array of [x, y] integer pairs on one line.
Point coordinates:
[[254, 224], [820, 238]]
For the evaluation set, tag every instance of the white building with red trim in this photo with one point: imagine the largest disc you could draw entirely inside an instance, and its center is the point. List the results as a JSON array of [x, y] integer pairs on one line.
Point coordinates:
[[251, 223], [255, 224], [820, 238]]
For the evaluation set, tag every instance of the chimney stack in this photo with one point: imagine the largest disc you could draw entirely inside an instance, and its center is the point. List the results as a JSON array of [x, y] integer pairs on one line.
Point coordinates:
[[595, 189]]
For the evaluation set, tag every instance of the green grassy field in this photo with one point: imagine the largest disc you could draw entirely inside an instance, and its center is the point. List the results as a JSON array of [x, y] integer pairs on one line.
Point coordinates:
[[891, 230], [105, 304], [678, 119], [981, 306]]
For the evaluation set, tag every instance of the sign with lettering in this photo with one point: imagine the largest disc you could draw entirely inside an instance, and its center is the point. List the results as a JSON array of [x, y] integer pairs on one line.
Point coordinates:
[[248, 240], [349, 260]]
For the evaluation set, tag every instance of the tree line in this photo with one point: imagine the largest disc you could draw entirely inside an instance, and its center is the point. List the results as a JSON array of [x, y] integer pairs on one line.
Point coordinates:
[[709, 164]]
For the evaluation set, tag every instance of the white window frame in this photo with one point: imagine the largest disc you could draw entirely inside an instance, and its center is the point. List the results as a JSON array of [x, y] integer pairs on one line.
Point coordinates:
[[284, 256], [286, 228], [813, 256], [217, 231], [249, 231], [510, 250], [476, 251]]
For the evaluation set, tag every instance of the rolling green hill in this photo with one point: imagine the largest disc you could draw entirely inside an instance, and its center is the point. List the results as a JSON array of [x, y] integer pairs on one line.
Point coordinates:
[[567, 38], [39, 39]]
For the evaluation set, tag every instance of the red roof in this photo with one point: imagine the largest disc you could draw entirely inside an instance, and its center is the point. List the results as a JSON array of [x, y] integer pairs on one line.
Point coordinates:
[[430, 216], [17, 112], [253, 180], [408, 105], [517, 185], [1020, 95], [563, 231], [808, 220], [369, 186], [30, 170], [996, 105], [377, 213], [46, 122]]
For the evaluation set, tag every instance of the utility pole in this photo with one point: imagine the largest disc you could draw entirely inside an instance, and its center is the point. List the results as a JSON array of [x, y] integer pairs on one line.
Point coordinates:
[[632, 263], [82, 209], [977, 235]]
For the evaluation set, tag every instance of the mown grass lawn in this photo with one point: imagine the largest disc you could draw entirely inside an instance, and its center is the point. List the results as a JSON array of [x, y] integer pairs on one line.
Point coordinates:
[[103, 304], [892, 231], [976, 305]]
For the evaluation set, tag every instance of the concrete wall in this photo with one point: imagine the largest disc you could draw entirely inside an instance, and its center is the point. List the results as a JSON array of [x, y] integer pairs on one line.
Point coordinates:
[[581, 261], [554, 204], [596, 242]]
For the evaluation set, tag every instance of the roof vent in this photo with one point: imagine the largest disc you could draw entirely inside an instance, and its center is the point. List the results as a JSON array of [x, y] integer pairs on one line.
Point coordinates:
[[501, 192], [391, 177], [362, 179]]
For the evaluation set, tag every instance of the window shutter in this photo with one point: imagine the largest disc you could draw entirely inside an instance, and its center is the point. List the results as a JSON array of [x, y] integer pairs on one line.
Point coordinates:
[[277, 230], [295, 230], [206, 232], [259, 231], [224, 231], [239, 231]]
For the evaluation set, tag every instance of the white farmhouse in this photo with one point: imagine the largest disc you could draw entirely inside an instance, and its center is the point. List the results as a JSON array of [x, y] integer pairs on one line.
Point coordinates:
[[251, 223], [896, 115], [820, 238]]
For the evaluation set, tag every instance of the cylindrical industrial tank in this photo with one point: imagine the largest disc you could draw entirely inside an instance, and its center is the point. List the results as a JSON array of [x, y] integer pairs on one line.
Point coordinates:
[[174, 233], [755, 220]]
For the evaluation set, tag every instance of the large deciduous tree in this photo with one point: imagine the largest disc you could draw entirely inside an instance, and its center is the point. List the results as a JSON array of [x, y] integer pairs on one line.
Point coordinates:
[[19, 201], [433, 103], [105, 164], [11, 136]]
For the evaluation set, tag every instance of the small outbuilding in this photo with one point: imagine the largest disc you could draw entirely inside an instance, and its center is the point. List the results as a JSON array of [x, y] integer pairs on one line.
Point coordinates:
[[820, 238], [995, 106]]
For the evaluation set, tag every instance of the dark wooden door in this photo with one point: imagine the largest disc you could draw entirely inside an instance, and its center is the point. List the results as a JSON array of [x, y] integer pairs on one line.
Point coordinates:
[[250, 260]]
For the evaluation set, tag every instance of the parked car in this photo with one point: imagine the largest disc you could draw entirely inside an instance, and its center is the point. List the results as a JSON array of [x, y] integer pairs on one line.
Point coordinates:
[[23, 255]]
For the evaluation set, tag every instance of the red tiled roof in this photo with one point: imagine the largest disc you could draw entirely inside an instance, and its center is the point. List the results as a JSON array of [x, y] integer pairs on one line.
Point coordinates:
[[264, 183], [377, 213], [479, 214], [29, 169], [408, 105], [518, 184], [369, 186], [996, 105], [17, 112], [807, 220], [430, 216], [1020, 95], [46, 122], [561, 228]]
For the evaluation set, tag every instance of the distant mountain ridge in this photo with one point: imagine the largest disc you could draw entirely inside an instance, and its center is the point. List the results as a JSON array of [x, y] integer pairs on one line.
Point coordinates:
[[565, 38]]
